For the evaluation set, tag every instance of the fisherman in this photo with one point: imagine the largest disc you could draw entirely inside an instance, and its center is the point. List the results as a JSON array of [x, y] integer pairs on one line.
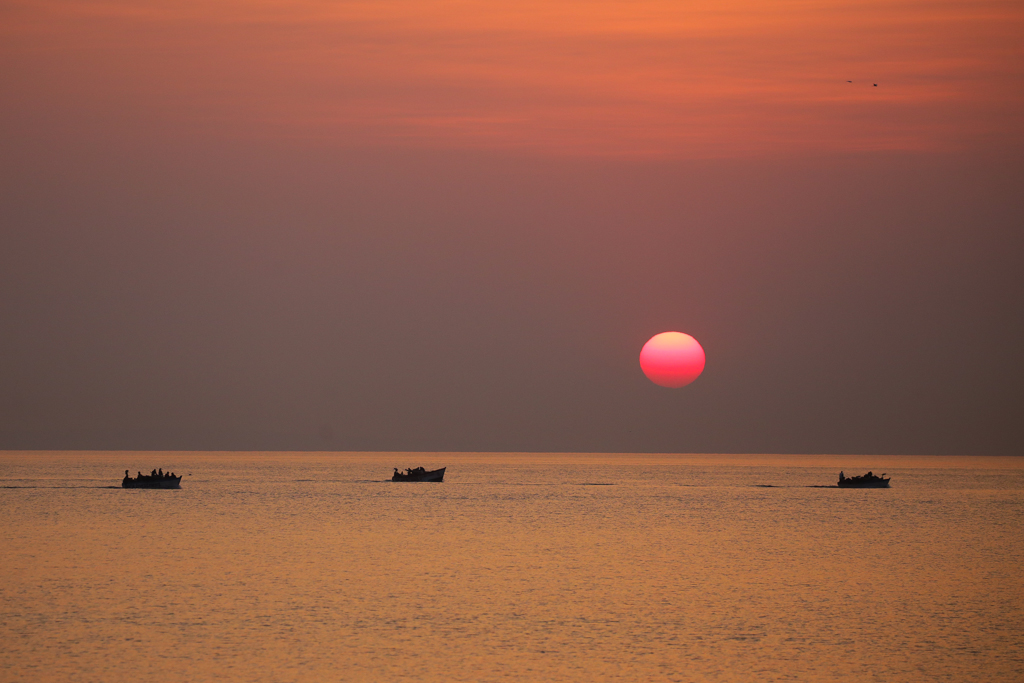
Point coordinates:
[[153, 473], [841, 475]]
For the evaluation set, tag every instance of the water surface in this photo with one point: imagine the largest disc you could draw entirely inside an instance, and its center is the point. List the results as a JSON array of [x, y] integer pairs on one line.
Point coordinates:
[[309, 567]]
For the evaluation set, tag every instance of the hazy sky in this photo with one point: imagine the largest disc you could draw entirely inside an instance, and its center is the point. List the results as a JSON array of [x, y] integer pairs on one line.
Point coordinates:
[[426, 225]]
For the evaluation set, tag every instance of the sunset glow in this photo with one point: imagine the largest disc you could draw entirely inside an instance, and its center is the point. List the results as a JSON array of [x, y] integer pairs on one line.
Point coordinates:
[[649, 78], [301, 254], [672, 359]]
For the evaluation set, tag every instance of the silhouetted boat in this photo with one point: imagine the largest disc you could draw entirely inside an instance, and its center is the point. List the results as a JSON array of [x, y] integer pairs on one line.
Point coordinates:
[[151, 481], [864, 481], [418, 474]]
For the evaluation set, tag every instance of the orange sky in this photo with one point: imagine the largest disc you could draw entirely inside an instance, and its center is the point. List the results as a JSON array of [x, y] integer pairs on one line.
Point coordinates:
[[425, 225], [676, 79]]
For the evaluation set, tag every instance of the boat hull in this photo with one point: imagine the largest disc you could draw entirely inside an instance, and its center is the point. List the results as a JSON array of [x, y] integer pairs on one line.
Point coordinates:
[[850, 484], [164, 483], [433, 475]]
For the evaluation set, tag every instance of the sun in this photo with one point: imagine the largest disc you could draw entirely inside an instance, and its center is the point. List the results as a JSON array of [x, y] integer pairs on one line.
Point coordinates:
[[672, 359]]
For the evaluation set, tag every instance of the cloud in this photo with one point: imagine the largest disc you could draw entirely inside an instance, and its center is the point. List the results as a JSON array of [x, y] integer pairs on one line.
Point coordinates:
[[613, 79]]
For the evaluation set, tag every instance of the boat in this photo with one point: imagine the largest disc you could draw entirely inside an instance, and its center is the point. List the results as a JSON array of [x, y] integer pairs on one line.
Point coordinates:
[[418, 474], [151, 481], [864, 481]]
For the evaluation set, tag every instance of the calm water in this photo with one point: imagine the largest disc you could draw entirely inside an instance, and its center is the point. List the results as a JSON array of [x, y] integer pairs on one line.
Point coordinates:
[[312, 567]]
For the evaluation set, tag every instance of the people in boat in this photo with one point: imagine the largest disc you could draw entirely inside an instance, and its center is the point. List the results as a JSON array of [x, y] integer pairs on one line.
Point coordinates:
[[155, 474], [409, 471]]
